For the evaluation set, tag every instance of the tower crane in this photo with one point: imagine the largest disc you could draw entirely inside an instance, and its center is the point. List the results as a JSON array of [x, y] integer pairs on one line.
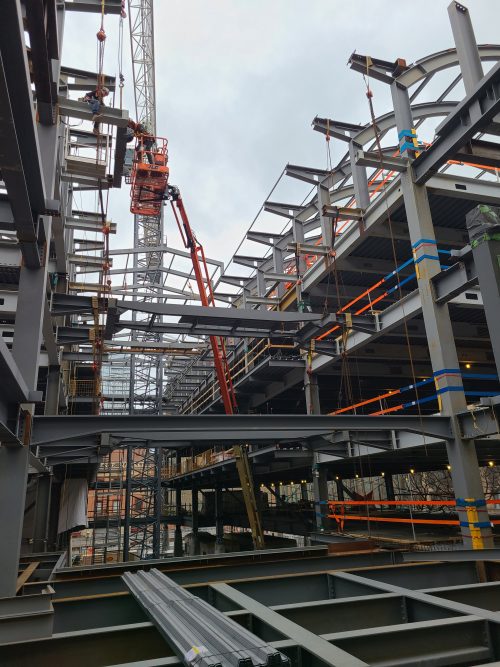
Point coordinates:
[[150, 188]]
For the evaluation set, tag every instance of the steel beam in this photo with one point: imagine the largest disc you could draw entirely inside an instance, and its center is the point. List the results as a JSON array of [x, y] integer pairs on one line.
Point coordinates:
[[81, 110], [245, 428], [471, 116]]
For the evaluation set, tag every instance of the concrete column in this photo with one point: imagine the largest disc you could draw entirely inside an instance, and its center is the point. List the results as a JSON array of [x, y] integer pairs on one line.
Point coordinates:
[[389, 487], [471, 506], [219, 522], [195, 521], [42, 507]]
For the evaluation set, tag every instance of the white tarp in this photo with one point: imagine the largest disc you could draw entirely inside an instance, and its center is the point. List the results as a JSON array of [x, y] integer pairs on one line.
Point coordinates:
[[73, 507]]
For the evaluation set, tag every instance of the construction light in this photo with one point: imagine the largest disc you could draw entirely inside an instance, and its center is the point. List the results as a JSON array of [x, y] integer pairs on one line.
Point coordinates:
[[357, 475], [448, 467], [491, 463], [337, 478], [412, 471], [467, 365], [383, 474]]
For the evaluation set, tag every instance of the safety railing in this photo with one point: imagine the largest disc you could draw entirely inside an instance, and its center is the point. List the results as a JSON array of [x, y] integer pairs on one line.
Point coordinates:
[[204, 460], [84, 388], [239, 366], [341, 511]]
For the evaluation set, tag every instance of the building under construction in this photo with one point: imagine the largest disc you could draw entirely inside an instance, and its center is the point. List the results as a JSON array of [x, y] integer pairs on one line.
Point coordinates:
[[286, 459]]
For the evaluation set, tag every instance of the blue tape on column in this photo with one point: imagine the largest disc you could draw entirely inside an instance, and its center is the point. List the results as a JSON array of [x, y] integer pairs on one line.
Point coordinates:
[[461, 502], [420, 241], [419, 259], [475, 524]]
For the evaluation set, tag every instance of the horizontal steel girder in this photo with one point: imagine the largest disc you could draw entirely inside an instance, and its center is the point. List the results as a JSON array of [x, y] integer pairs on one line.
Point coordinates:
[[199, 429], [211, 320]]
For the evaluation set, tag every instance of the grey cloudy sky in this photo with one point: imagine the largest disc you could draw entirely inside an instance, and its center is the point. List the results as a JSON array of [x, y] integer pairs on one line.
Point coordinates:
[[239, 81]]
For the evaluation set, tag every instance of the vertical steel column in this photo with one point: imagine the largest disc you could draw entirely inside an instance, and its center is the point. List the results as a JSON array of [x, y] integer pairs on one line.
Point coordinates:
[[359, 178], [278, 268], [195, 521], [475, 525], [319, 472], [303, 492], [29, 317], [52, 390], [14, 461], [485, 242], [128, 496], [219, 521], [55, 498], [340, 489], [178, 512], [261, 287], [41, 521], [389, 487], [301, 265], [485, 253], [325, 222], [13, 477], [465, 42], [157, 504]]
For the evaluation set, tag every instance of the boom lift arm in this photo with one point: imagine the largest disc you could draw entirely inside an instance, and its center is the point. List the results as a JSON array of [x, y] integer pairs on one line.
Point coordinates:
[[222, 369]]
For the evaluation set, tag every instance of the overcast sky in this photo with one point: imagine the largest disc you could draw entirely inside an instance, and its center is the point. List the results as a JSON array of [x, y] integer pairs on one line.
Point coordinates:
[[239, 81]]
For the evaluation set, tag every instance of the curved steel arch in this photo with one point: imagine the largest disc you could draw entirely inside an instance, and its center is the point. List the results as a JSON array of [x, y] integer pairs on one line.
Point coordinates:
[[441, 60]]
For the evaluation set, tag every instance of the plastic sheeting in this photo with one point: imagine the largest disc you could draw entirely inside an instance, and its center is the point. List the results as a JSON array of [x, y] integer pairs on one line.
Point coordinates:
[[73, 508]]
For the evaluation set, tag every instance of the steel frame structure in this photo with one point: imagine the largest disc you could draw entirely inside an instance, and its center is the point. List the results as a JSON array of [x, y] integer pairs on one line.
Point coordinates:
[[358, 609], [43, 347]]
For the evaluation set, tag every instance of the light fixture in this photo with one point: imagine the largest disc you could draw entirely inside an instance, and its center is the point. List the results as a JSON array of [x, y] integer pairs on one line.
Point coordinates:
[[491, 463], [357, 475], [383, 474], [467, 365], [448, 467], [337, 478], [412, 470]]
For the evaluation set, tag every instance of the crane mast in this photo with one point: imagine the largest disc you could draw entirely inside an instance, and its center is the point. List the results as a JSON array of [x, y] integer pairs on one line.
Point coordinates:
[[144, 497], [149, 187]]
